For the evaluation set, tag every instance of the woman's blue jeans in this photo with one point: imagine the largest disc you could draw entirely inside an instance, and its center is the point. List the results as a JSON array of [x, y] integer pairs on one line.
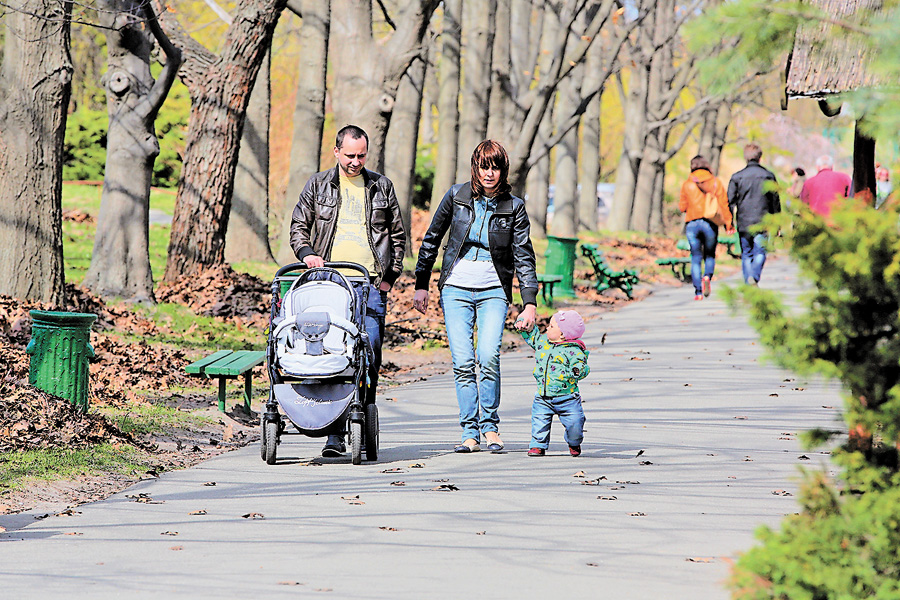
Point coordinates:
[[753, 255], [466, 310], [703, 237]]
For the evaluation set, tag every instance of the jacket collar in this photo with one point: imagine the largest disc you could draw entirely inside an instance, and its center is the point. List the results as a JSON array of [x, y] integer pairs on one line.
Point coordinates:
[[464, 196], [336, 177]]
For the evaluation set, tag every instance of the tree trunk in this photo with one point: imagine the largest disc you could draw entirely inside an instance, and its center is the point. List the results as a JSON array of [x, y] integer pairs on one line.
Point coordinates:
[[35, 84], [565, 198], [589, 164], [499, 113], [120, 262], [220, 89], [448, 104], [634, 109], [431, 91], [248, 230], [537, 185], [402, 140], [367, 72], [309, 112], [478, 42]]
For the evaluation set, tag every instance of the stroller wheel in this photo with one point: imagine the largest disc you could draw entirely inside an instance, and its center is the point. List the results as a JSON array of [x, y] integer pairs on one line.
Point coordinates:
[[262, 436], [371, 432], [356, 442], [270, 435]]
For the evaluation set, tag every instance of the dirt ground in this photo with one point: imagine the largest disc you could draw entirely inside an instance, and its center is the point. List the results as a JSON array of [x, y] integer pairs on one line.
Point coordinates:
[[415, 348]]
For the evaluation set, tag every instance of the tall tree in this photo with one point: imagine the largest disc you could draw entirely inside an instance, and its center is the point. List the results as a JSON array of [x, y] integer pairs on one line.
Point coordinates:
[[402, 139], [35, 84], [367, 71], [589, 154], [247, 237], [309, 109], [220, 87], [448, 102], [478, 43], [120, 262]]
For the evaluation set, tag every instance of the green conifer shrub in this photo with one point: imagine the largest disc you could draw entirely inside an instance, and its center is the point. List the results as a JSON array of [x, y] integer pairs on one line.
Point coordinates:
[[845, 541]]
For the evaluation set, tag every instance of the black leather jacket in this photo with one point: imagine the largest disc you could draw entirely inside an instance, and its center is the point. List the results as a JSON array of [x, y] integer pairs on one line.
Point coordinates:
[[508, 237], [751, 192], [314, 220]]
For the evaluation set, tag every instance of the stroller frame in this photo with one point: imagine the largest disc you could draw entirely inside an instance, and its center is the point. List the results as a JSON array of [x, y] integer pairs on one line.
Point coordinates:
[[360, 417]]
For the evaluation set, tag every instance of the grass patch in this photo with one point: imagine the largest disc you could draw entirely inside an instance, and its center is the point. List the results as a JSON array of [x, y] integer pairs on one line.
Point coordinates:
[[182, 328], [17, 468], [152, 419]]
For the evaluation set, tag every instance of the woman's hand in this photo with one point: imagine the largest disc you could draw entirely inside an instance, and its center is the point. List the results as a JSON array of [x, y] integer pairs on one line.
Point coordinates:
[[526, 318], [420, 301]]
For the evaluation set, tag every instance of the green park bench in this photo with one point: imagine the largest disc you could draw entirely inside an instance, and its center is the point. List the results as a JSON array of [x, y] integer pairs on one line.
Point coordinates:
[[229, 364], [681, 264], [607, 277], [546, 283]]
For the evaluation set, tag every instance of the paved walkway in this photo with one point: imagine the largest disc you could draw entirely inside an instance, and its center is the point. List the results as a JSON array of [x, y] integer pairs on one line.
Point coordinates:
[[678, 382]]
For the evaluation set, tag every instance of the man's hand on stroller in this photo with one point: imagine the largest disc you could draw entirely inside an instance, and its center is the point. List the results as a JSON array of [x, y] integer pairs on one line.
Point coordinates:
[[313, 262]]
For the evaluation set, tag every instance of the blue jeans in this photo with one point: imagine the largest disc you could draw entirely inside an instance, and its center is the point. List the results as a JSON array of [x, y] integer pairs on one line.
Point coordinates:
[[753, 254], [478, 397], [570, 413], [703, 237]]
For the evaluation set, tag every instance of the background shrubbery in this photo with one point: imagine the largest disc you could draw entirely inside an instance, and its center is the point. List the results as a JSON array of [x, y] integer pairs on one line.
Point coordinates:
[[845, 542]]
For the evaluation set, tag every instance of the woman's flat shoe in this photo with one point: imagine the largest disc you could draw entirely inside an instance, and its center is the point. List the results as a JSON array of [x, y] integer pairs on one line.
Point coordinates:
[[463, 449], [495, 447]]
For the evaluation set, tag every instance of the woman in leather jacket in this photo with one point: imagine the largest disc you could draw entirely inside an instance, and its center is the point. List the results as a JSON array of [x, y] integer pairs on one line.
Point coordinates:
[[488, 242]]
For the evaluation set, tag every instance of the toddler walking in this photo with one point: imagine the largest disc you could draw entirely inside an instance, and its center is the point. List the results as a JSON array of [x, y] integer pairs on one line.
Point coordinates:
[[561, 362]]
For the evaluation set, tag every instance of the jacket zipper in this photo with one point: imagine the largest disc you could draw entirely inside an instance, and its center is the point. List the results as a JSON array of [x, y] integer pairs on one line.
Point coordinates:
[[378, 276], [468, 229], [547, 370]]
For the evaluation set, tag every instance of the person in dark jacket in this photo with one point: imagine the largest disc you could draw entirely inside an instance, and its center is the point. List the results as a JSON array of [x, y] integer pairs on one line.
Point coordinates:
[[489, 241], [351, 214], [751, 196]]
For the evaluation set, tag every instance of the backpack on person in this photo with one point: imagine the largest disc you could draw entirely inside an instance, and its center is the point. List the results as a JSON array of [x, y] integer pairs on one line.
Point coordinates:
[[711, 209]]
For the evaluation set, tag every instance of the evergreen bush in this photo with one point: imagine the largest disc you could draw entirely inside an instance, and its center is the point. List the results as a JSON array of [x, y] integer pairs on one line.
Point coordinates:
[[845, 542]]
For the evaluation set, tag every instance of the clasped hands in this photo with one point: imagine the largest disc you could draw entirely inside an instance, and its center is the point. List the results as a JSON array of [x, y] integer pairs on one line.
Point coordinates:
[[525, 320]]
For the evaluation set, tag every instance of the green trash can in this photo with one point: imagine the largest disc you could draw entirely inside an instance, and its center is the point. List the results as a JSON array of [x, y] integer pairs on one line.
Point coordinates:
[[60, 349], [561, 261]]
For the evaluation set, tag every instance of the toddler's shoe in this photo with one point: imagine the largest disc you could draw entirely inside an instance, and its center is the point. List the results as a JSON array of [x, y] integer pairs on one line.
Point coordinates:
[[575, 450], [535, 452]]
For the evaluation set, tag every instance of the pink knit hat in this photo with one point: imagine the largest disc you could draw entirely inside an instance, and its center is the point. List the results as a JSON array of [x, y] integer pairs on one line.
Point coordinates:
[[570, 324]]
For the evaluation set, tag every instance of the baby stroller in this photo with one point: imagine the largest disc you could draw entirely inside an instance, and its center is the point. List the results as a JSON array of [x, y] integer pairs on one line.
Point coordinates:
[[317, 357]]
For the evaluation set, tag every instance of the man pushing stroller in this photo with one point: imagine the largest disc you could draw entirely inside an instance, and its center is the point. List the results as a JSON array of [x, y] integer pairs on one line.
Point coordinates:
[[351, 214]]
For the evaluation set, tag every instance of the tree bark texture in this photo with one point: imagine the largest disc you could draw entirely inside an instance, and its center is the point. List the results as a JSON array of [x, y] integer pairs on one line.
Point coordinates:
[[247, 237], [565, 198], [402, 140], [309, 112], [500, 111], [220, 89], [120, 262], [448, 103], [537, 185], [478, 43], [35, 84], [368, 71], [634, 110], [589, 163]]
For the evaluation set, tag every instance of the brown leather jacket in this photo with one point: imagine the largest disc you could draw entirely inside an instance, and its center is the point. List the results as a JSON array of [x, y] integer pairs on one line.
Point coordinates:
[[314, 220], [693, 196]]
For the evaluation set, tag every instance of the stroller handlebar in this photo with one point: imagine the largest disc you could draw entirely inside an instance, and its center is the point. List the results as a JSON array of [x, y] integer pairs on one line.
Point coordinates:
[[299, 266]]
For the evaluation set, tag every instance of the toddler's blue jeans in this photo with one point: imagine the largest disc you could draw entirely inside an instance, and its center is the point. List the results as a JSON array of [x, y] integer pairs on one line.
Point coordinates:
[[567, 408]]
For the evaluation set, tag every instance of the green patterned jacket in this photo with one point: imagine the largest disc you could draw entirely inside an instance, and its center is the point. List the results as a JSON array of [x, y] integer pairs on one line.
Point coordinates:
[[558, 367]]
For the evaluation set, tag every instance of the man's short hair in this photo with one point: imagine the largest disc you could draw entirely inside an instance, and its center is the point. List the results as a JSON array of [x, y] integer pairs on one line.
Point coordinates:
[[824, 162], [353, 131], [752, 151], [700, 162]]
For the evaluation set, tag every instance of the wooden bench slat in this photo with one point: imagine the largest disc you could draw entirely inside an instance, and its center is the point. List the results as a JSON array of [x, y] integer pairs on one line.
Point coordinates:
[[236, 363], [196, 367]]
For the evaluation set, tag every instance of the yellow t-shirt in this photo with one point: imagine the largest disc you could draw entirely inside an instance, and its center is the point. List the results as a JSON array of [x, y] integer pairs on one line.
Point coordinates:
[[351, 242]]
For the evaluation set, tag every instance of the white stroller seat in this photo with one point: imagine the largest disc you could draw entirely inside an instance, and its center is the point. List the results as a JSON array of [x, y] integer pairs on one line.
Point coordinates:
[[316, 337]]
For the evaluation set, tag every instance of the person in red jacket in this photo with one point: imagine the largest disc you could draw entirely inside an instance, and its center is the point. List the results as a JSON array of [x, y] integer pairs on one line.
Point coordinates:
[[702, 234], [827, 187]]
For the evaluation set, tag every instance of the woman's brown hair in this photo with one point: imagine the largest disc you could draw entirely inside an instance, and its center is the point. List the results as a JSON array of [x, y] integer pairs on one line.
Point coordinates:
[[490, 153], [700, 162]]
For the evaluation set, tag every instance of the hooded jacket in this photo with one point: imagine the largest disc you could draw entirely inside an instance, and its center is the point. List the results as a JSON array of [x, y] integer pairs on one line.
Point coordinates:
[[693, 196], [508, 237], [558, 366]]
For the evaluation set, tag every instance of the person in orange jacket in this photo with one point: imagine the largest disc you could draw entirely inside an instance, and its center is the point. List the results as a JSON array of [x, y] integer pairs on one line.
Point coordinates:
[[702, 233]]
